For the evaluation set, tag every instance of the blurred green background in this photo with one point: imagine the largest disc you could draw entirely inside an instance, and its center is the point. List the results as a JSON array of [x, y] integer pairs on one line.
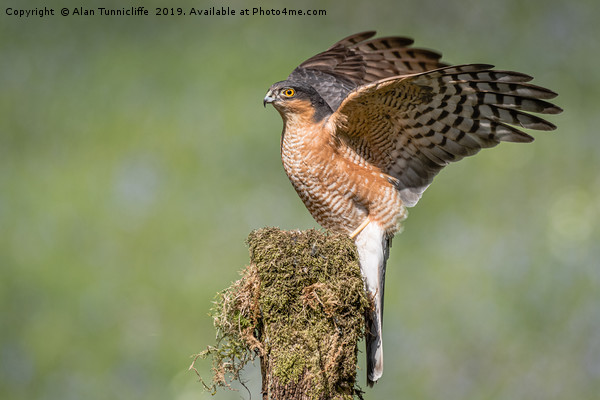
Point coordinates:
[[136, 156]]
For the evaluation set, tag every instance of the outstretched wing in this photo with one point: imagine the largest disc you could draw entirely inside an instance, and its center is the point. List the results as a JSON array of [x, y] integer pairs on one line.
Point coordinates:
[[411, 127], [355, 61]]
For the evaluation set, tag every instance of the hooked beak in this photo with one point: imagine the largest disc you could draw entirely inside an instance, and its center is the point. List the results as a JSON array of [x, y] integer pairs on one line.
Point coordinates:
[[268, 98]]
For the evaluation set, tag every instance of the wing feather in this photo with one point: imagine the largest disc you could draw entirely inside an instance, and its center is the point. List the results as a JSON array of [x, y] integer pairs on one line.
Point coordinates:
[[412, 126], [355, 61]]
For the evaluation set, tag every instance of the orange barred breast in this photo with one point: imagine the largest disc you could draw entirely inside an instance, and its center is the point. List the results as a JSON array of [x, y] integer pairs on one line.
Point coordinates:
[[336, 185]]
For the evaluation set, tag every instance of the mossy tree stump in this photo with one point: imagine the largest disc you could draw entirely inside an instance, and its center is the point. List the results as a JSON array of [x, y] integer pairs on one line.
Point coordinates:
[[300, 307]]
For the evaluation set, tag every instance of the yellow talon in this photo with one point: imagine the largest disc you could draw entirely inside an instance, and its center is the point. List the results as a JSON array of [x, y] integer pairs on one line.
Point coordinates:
[[360, 228]]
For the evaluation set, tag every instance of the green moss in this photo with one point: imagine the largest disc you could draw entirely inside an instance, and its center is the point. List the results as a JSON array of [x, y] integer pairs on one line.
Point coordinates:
[[300, 306]]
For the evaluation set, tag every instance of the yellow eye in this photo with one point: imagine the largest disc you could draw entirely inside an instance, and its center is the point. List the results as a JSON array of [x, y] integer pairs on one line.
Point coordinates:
[[288, 92]]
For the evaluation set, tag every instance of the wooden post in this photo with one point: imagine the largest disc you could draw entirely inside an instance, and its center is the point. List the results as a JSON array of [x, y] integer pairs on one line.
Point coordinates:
[[300, 307]]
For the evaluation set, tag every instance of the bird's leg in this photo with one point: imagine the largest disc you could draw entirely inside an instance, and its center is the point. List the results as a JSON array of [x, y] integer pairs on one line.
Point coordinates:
[[360, 228]]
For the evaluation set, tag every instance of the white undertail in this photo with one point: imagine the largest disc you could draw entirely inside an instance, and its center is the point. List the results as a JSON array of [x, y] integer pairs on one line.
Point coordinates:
[[373, 250]]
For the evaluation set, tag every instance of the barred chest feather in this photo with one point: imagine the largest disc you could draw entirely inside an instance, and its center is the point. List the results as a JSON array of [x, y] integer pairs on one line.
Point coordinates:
[[337, 186]]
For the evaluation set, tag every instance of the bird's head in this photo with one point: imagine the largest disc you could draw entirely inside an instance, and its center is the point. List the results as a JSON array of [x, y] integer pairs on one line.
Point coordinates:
[[297, 99]]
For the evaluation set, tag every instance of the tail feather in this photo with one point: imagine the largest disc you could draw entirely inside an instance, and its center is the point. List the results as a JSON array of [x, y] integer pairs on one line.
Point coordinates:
[[374, 347], [373, 250]]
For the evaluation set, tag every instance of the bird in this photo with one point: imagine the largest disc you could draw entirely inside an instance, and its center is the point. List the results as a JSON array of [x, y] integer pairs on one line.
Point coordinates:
[[369, 122]]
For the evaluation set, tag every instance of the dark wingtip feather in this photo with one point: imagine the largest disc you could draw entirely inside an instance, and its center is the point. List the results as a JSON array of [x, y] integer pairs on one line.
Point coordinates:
[[549, 127], [390, 42], [353, 39], [554, 109]]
